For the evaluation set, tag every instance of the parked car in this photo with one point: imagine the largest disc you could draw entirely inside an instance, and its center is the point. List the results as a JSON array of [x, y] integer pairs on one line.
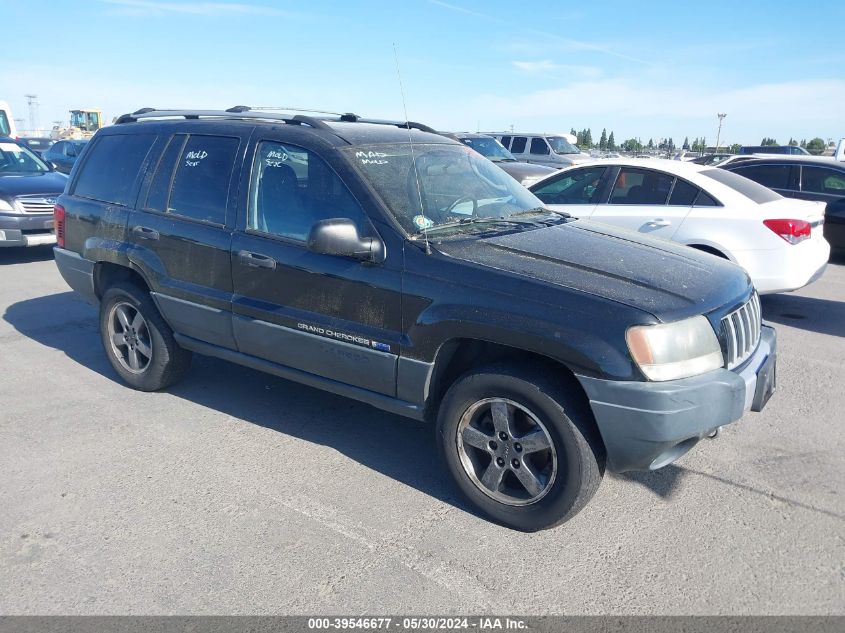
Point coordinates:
[[806, 178], [552, 150], [773, 149], [778, 241], [37, 144], [28, 191], [710, 159], [63, 154], [524, 173], [404, 271]]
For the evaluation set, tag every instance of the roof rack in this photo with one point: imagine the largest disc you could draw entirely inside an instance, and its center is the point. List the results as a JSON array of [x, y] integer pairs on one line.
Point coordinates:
[[269, 114], [236, 112]]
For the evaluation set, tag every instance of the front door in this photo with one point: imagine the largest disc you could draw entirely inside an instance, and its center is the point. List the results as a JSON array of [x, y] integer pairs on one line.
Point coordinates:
[[330, 316]]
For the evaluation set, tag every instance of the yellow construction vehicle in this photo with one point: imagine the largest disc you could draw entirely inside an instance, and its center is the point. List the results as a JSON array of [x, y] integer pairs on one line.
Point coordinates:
[[83, 124]]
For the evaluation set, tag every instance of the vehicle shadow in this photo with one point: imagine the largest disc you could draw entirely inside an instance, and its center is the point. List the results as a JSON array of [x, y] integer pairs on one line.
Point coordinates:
[[824, 316], [23, 255], [402, 449], [667, 482]]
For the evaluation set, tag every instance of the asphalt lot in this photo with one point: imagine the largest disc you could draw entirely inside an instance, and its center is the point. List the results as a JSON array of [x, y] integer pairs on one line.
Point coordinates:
[[238, 492]]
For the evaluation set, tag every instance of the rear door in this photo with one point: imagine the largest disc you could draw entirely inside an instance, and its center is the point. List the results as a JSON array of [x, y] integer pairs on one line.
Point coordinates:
[[329, 316], [782, 178], [639, 200], [182, 230], [827, 184]]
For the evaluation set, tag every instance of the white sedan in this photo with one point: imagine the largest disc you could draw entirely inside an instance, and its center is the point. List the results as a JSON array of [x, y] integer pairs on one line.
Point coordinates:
[[777, 240]]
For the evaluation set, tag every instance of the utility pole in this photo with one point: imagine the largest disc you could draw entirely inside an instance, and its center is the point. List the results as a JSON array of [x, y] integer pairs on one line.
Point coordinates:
[[719, 132], [32, 104]]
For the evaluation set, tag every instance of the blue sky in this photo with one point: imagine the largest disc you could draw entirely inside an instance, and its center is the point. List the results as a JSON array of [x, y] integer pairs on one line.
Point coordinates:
[[648, 68]]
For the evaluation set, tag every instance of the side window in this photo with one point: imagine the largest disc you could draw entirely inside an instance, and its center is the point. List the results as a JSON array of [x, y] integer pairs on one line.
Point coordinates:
[[70, 150], [641, 186], [159, 193], [203, 171], [59, 148], [683, 194], [518, 146], [539, 146], [291, 189], [704, 200], [506, 141], [823, 180], [110, 169], [771, 176], [580, 186]]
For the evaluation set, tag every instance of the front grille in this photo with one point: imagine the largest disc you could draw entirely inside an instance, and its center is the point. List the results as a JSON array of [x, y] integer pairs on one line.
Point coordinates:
[[741, 329], [35, 204]]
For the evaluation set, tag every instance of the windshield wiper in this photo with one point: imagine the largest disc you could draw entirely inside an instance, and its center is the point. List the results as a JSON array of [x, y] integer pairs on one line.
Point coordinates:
[[562, 214], [475, 221]]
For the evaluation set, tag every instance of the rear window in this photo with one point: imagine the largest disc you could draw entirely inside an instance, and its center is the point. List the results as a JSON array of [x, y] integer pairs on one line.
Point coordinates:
[[772, 176], [112, 165], [748, 188]]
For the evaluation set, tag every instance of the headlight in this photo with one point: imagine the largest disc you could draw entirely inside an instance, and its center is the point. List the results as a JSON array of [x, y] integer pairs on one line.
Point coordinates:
[[5, 205], [667, 351]]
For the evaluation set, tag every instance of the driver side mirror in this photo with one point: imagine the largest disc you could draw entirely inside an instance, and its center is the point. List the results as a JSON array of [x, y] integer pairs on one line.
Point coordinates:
[[339, 236]]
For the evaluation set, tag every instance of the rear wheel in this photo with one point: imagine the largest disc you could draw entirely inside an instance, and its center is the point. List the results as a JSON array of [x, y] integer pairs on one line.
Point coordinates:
[[523, 450], [138, 343]]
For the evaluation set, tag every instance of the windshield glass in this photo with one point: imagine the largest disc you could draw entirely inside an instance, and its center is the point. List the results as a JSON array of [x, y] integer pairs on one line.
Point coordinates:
[[490, 148], [561, 146], [17, 159], [5, 129], [452, 184]]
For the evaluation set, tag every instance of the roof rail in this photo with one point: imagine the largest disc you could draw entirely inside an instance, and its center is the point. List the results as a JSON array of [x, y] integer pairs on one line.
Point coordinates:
[[269, 114], [236, 112]]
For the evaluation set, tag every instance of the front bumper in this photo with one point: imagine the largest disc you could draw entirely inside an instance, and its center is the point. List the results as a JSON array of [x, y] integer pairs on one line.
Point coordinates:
[[26, 230], [647, 425]]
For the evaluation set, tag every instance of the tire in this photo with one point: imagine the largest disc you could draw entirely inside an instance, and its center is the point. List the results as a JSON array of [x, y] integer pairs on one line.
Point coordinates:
[[129, 320], [524, 405]]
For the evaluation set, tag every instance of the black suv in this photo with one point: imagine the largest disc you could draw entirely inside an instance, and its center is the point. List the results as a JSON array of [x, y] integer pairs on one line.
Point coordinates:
[[401, 268], [807, 178]]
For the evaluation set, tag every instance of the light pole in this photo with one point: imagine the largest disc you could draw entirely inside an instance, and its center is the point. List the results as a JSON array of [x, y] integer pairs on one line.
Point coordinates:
[[719, 132]]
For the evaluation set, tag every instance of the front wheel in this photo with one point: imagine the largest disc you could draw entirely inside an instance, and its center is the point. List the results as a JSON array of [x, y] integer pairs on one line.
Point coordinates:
[[138, 343], [524, 451]]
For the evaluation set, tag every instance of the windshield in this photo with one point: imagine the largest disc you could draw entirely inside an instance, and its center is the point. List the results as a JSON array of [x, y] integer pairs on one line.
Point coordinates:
[[19, 160], [490, 148], [452, 184], [5, 129], [561, 146]]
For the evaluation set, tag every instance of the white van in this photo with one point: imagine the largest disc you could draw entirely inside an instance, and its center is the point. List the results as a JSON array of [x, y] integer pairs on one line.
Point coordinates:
[[554, 150], [7, 123]]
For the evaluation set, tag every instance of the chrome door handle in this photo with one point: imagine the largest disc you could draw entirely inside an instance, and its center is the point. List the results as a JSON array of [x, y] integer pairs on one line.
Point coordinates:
[[145, 233], [658, 222], [256, 260]]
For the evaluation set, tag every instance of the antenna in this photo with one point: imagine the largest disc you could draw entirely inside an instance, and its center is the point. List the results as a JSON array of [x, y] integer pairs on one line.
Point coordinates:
[[413, 156]]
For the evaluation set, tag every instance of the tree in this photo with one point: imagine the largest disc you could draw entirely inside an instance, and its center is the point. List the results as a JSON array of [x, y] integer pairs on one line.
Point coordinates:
[[671, 144], [804, 143], [650, 144], [603, 140], [734, 149], [686, 143], [611, 142], [793, 142], [816, 146], [573, 132], [588, 138], [768, 142]]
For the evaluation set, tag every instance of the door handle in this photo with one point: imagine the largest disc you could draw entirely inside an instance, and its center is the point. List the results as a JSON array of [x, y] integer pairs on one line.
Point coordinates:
[[145, 234], [256, 260], [658, 222]]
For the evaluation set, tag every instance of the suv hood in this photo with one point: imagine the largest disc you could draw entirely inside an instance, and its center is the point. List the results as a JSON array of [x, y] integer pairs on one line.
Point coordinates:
[[521, 171], [49, 183], [662, 278]]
